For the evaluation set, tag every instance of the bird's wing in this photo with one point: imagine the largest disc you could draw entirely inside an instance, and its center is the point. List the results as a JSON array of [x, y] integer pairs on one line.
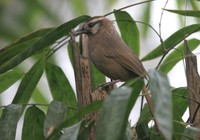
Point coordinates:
[[125, 57]]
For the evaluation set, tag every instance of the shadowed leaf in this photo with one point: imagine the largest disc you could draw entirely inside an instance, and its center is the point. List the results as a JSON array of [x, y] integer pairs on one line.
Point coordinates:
[[45, 41], [162, 102], [115, 112], [9, 78], [9, 120], [60, 87], [55, 116], [33, 124], [29, 82]]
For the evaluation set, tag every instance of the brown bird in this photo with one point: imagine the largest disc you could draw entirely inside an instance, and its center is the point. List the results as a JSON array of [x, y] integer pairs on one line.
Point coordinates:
[[109, 52]]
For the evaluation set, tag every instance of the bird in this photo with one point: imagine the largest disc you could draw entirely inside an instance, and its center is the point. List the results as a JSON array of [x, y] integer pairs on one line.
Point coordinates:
[[108, 52]]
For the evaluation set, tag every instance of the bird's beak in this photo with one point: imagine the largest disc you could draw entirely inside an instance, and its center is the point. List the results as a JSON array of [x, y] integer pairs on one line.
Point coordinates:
[[79, 32]]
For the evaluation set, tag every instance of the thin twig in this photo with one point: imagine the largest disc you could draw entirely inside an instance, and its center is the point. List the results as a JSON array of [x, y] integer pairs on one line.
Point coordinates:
[[57, 46], [128, 7]]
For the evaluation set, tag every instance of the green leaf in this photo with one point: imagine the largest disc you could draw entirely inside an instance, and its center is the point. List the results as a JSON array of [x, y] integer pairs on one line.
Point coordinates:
[[115, 112], [29, 82], [33, 124], [179, 103], [85, 129], [94, 106], [13, 49], [42, 43], [146, 18], [71, 133], [145, 115], [97, 77], [55, 116], [9, 120], [192, 13], [177, 55], [190, 133], [129, 30], [38, 97], [162, 102], [179, 107], [60, 87], [172, 41], [9, 78], [142, 129]]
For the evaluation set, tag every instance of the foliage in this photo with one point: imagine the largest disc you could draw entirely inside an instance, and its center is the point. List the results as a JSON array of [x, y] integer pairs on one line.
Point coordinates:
[[62, 118]]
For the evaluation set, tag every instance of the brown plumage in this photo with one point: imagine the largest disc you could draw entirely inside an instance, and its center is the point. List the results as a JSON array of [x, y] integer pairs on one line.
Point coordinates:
[[108, 51]]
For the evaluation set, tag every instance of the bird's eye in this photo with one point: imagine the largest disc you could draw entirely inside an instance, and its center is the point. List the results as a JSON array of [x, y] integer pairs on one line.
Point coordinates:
[[90, 25]]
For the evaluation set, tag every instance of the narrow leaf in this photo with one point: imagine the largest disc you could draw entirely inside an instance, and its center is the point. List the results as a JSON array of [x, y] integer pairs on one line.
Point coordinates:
[[162, 102], [120, 100], [33, 124], [9, 78], [42, 43], [192, 13], [97, 77], [71, 133], [146, 18], [190, 133], [29, 83], [129, 30], [179, 103], [19, 45], [60, 87], [142, 128], [172, 41], [55, 116], [9, 120], [94, 106], [111, 118], [177, 55]]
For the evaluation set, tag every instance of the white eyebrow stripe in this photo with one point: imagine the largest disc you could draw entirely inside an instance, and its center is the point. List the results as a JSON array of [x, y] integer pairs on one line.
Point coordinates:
[[96, 19]]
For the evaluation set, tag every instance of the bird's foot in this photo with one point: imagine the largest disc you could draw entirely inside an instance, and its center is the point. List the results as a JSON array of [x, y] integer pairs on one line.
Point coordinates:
[[109, 86]]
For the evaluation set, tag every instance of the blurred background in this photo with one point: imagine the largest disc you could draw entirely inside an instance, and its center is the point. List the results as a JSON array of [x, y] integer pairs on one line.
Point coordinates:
[[20, 17]]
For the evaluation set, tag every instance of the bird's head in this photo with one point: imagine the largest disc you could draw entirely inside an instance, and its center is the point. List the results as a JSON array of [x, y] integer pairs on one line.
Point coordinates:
[[94, 25]]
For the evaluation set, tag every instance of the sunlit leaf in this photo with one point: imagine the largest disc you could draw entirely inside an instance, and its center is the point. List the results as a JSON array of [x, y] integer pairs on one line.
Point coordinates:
[[129, 30], [177, 55], [28, 83], [185, 12], [9, 120], [42, 43], [33, 124], [9, 78], [60, 87], [55, 116], [162, 101], [172, 41]]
